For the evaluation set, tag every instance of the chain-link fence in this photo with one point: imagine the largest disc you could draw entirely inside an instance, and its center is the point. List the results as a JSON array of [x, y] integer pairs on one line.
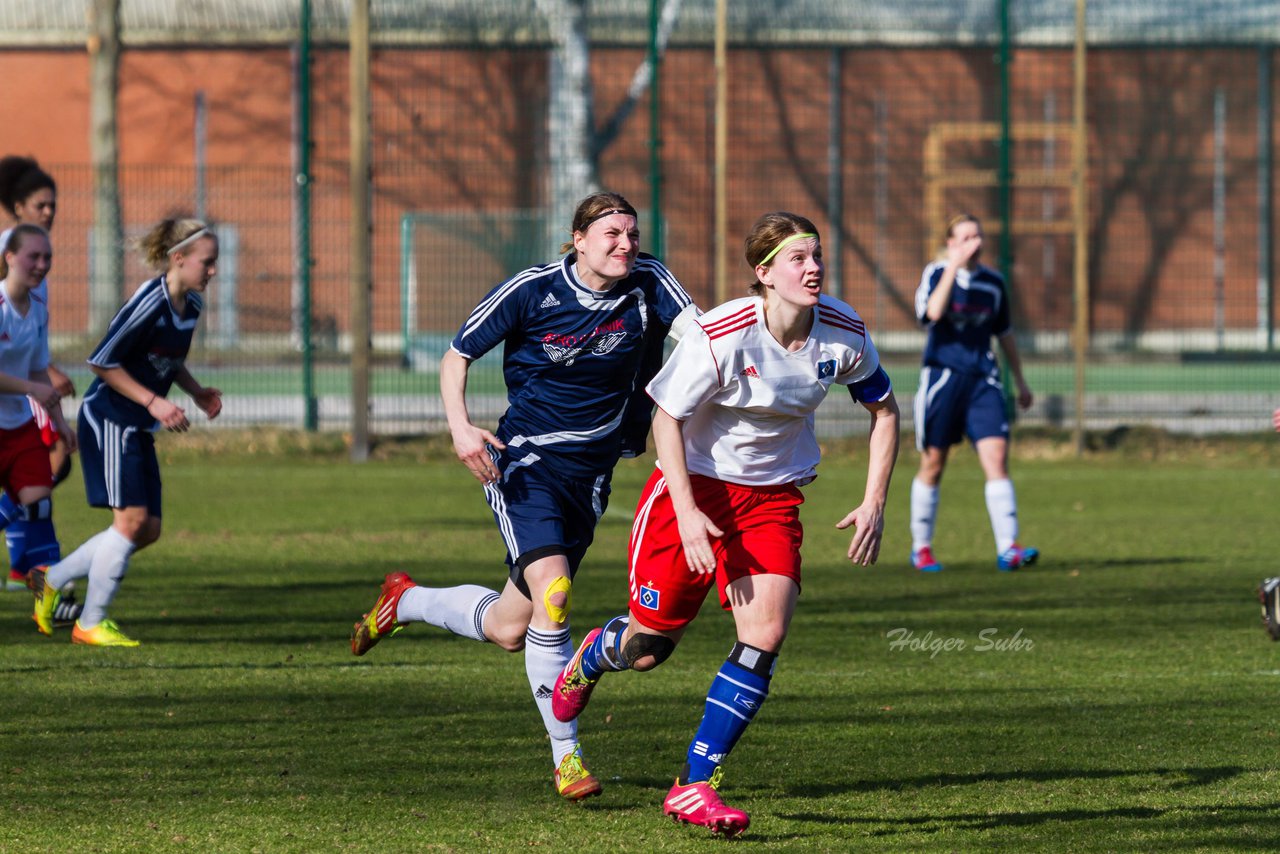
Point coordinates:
[[877, 120]]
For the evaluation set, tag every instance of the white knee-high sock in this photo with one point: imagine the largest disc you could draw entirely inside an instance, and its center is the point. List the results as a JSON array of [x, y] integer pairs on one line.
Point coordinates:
[[76, 564], [106, 571], [545, 655], [459, 610], [924, 513], [1002, 506]]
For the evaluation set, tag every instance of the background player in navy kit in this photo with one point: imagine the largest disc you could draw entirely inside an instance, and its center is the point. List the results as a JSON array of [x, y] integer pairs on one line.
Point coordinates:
[[29, 195], [577, 338], [735, 440], [24, 359], [964, 304], [135, 365]]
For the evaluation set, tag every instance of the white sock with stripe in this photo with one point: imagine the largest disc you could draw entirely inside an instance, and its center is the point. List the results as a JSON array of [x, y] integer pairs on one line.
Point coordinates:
[[110, 562], [459, 610], [924, 513], [545, 655], [1002, 507], [75, 565]]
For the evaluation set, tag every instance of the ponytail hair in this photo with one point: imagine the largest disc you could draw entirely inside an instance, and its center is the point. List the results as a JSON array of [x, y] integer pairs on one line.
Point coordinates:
[[168, 236]]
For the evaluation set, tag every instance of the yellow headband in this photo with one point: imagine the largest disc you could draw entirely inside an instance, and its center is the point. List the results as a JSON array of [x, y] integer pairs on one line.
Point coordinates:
[[792, 239]]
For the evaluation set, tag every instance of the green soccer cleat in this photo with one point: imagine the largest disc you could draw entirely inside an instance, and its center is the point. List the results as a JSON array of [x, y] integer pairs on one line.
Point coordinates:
[[46, 600], [573, 781], [106, 633]]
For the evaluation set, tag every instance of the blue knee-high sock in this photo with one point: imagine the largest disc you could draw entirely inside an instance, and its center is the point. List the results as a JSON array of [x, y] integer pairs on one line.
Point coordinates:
[[736, 694], [31, 539], [603, 654], [9, 510]]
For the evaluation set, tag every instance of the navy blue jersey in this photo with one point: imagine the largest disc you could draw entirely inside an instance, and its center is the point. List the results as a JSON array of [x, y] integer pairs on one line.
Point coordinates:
[[148, 338], [572, 358], [979, 309]]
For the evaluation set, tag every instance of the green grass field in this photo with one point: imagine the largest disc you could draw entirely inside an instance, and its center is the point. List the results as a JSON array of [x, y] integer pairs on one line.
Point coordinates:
[[1129, 705]]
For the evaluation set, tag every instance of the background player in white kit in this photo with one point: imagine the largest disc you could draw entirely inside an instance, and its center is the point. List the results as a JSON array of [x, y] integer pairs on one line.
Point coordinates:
[[964, 304], [577, 337], [29, 195], [735, 441], [24, 360]]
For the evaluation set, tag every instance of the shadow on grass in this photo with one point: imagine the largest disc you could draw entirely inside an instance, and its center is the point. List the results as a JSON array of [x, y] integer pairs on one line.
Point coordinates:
[[1205, 817], [1191, 777]]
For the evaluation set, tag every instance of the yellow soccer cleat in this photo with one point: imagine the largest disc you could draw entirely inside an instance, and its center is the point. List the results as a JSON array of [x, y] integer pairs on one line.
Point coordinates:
[[46, 600], [573, 781], [106, 633]]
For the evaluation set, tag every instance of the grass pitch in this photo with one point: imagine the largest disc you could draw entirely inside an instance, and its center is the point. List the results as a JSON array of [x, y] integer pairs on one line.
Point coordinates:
[[1118, 696]]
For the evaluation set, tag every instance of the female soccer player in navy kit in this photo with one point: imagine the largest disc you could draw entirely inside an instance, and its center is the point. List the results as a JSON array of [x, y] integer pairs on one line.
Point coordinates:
[[24, 361], [29, 195], [142, 356], [577, 338], [964, 304], [735, 441]]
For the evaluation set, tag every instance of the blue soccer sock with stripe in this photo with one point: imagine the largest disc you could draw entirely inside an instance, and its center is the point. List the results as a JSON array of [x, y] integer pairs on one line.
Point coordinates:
[[736, 694], [603, 655], [31, 538], [9, 510]]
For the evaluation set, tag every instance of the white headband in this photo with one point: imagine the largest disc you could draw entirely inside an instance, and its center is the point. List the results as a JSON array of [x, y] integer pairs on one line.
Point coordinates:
[[188, 240]]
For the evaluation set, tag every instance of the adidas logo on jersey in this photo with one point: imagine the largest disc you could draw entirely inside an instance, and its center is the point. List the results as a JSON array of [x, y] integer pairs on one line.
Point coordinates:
[[750, 371], [4, 336], [549, 301]]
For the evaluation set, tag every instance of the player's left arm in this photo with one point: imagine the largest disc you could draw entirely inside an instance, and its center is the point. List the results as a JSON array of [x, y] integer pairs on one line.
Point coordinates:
[[61, 382], [207, 398], [867, 519], [1009, 346]]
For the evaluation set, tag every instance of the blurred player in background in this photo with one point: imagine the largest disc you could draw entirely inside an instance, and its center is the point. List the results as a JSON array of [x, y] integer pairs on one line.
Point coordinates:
[[29, 195], [964, 304], [735, 441], [25, 258], [142, 356], [577, 337], [1269, 591]]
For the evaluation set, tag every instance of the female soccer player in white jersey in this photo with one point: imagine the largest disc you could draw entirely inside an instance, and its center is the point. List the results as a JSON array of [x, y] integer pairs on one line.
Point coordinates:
[[577, 336], [29, 195], [25, 258], [964, 304], [735, 441], [142, 356]]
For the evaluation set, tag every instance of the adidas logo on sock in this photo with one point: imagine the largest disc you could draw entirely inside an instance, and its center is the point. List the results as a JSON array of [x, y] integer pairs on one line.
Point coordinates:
[[549, 301], [543, 693]]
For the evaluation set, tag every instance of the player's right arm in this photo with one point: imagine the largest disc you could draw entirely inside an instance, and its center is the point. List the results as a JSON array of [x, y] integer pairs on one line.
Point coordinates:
[[469, 441], [170, 415]]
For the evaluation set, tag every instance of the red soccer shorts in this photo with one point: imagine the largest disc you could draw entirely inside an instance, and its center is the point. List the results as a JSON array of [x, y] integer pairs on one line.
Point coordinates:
[[24, 459], [762, 535]]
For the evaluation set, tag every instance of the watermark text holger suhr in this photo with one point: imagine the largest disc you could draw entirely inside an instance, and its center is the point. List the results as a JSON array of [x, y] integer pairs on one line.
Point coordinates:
[[987, 640]]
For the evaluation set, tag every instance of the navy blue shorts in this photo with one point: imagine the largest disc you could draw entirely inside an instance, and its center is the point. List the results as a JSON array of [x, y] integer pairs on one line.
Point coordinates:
[[951, 405], [119, 464], [539, 513]]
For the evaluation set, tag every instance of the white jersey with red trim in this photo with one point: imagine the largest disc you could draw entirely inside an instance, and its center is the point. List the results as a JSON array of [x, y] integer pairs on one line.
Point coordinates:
[[746, 402], [24, 349]]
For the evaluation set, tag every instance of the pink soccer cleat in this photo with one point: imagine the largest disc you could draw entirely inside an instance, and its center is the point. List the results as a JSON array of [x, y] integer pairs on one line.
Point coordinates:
[[698, 803], [573, 690]]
